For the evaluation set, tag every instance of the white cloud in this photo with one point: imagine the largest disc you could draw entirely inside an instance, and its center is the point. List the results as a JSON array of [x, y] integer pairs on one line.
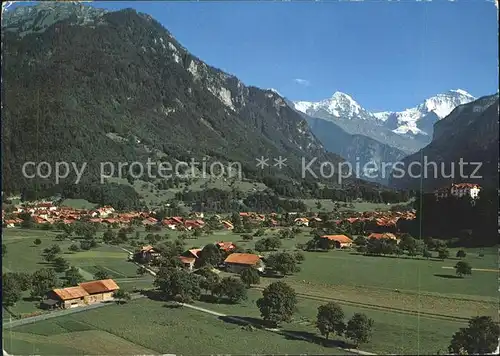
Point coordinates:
[[303, 82]]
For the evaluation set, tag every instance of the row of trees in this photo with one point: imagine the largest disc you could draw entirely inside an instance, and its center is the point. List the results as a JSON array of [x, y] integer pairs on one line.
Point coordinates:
[[279, 303], [182, 286]]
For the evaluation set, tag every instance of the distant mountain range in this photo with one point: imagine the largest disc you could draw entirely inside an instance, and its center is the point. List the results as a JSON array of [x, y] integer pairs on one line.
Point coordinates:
[[374, 139], [470, 134], [408, 130]]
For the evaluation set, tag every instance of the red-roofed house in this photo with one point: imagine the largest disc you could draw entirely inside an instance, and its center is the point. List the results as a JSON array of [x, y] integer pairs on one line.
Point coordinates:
[[227, 225], [386, 235], [187, 261], [149, 221], [236, 262], [341, 241], [226, 246], [302, 222], [193, 224]]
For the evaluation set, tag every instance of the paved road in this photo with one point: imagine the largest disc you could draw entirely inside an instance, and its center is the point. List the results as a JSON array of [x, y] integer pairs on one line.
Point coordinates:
[[55, 314]]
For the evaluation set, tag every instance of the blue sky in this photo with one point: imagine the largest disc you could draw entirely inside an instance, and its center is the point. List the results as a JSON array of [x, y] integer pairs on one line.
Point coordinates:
[[386, 55]]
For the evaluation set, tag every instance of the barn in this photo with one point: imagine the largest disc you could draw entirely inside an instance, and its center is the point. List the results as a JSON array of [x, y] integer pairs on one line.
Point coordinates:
[[70, 297], [99, 291]]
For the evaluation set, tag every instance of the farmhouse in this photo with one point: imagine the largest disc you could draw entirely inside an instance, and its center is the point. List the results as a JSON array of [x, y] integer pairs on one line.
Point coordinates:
[[10, 223], [193, 224], [147, 254], [99, 291], [340, 241], [386, 235], [188, 262], [70, 297], [227, 225], [236, 262], [191, 253], [302, 222], [225, 246], [149, 221]]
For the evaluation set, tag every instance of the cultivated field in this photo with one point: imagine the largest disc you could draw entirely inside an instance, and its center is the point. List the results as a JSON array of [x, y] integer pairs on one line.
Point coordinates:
[[148, 327], [24, 256], [417, 304]]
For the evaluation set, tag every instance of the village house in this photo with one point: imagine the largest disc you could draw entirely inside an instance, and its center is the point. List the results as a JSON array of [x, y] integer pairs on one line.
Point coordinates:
[[188, 262], [10, 223], [65, 298], [227, 225], [99, 291], [170, 223], [236, 262], [301, 221], [193, 224], [149, 221], [189, 257], [340, 241], [45, 206], [225, 246], [147, 254], [196, 215], [386, 235], [105, 211]]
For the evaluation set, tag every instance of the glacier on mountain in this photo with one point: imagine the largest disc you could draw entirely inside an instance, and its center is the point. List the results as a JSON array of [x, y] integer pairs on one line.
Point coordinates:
[[413, 121]]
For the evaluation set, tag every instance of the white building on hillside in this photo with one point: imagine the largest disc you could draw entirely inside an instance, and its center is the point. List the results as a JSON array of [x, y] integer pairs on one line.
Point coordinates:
[[463, 189], [459, 190]]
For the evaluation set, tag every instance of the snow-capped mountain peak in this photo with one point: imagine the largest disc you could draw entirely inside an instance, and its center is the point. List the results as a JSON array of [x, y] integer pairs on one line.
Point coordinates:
[[443, 104], [415, 122], [339, 105], [421, 118], [461, 92]]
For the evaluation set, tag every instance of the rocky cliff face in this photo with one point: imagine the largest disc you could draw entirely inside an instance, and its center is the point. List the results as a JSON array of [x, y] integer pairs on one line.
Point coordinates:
[[75, 77], [367, 156]]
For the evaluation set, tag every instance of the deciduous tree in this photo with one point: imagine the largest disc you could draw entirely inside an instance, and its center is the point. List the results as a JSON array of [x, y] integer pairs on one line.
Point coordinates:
[[73, 276], [330, 319], [463, 268], [42, 281], [11, 289], [278, 303], [231, 288], [250, 276], [282, 262], [479, 338], [359, 329], [121, 296]]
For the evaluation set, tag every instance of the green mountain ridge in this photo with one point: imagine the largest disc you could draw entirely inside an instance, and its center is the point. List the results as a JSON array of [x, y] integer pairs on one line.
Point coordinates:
[[71, 85]]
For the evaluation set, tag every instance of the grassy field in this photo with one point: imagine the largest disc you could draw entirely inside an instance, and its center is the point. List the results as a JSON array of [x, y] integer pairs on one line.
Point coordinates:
[[409, 285], [329, 205], [417, 304], [392, 333], [148, 327], [24, 256], [157, 197], [412, 284], [78, 204]]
